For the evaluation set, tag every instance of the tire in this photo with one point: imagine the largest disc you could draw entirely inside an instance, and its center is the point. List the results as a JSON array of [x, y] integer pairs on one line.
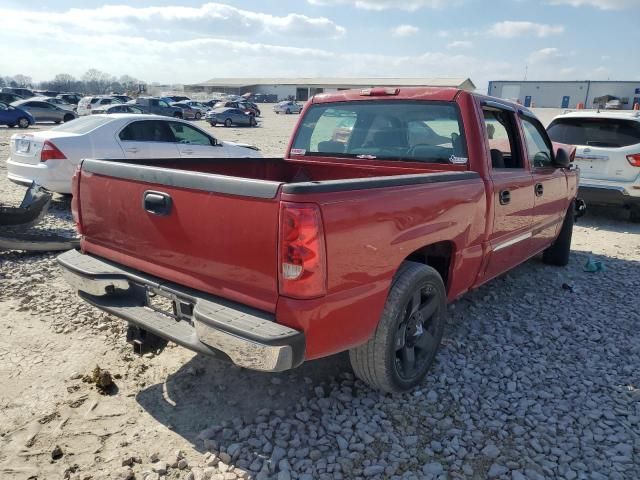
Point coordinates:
[[198, 115], [213, 124], [411, 326], [68, 118], [252, 122], [177, 115], [288, 112], [558, 253], [228, 122], [634, 214], [23, 122]]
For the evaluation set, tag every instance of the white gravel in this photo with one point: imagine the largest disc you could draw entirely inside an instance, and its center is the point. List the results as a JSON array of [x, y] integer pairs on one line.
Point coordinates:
[[533, 381]]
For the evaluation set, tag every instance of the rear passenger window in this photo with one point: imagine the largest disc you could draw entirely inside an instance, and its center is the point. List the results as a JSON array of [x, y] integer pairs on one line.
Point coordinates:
[[501, 134], [147, 131], [539, 149]]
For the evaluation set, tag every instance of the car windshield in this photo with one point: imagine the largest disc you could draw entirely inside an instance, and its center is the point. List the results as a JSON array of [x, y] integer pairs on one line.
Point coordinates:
[[392, 130], [82, 125], [595, 132]]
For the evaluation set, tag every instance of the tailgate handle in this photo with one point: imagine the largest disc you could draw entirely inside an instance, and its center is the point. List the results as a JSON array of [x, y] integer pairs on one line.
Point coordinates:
[[158, 203]]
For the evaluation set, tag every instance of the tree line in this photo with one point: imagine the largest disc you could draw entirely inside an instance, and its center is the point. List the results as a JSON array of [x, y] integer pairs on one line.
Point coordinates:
[[92, 82]]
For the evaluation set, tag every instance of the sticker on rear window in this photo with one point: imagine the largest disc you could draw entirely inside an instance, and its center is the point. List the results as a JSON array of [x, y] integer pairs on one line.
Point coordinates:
[[458, 160], [298, 151]]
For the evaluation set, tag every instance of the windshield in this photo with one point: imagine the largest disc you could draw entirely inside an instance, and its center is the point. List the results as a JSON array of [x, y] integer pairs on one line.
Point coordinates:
[[391, 130], [82, 125], [595, 132]]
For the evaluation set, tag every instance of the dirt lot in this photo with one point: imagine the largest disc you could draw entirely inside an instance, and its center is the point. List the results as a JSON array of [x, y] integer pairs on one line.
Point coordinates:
[[538, 377]]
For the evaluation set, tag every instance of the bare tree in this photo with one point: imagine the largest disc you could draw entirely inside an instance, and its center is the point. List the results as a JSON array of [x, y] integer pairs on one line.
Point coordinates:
[[22, 80]]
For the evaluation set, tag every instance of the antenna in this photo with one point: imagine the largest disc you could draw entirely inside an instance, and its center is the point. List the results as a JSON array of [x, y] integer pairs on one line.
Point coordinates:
[[526, 71]]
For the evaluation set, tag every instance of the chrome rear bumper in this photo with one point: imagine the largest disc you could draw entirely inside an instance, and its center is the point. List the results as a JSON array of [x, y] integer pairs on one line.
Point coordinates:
[[248, 337]]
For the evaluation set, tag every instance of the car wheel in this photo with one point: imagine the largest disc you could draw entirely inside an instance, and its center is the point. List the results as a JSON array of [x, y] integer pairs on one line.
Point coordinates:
[[23, 122], [558, 253], [408, 335], [227, 122], [198, 115], [288, 112], [68, 118], [634, 214], [252, 122], [177, 115], [213, 123]]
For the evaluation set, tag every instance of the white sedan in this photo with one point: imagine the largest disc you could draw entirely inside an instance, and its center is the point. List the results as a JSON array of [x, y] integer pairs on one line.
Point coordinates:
[[50, 157]]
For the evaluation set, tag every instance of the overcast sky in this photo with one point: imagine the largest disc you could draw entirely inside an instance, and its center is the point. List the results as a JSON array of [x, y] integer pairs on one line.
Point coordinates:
[[192, 41]]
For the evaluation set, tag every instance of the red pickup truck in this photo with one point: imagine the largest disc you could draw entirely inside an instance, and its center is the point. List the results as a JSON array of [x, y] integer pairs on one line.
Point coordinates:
[[390, 203]]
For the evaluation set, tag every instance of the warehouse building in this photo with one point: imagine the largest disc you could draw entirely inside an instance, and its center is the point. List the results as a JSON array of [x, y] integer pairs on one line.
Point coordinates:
[[304, 88], [567, 94]]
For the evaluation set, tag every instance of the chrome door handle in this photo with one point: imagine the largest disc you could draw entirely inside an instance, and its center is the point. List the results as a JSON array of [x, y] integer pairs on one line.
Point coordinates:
[[505, 197], [187, 151], [539, 189], [132, 150]]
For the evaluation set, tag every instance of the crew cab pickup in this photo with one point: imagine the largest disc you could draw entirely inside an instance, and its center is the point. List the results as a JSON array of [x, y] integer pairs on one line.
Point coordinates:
[[389, 204]]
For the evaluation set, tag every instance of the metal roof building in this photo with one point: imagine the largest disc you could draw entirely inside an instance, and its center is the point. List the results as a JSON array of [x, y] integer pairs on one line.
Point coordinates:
[[303, 88], [567, 94]]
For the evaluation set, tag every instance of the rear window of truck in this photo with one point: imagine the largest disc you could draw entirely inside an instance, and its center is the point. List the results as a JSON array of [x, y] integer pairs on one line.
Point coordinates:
[[423, 131], [595, 132]]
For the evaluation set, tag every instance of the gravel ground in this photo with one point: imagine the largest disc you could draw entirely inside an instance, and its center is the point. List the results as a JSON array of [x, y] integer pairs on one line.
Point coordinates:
[[538, 377]]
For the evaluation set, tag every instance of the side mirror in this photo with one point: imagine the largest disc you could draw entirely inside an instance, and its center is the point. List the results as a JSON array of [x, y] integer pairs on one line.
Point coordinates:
[[562, 159]]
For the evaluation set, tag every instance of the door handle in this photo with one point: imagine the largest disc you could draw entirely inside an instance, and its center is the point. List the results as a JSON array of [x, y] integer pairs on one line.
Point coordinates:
[[539, 189], [505, 197], [157, 203], [189, 152], [132, 150]]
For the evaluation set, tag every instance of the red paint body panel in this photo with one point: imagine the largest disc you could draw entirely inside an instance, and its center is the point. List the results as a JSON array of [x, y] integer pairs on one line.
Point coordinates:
[[226, 245]]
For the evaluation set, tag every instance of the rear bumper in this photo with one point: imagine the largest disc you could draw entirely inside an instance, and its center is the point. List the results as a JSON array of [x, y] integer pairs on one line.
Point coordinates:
[[248, 337], [55, 177], [607, 195]]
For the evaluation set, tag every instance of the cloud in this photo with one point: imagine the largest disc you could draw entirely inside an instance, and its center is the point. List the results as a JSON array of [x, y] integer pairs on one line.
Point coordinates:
[[511, 29], [404, 30], [601, 4], [460, 44], [410, 5], [549, 55], [209, 18]]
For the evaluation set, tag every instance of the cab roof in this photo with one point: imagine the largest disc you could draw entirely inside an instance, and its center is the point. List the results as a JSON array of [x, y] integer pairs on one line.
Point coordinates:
[[443, 94]]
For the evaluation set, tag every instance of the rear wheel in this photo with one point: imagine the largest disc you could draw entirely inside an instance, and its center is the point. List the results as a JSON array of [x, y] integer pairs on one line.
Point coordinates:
[[634, 214], [228, 122], [177, 115], [68, 117], [23, 122], [252, 122], [406, 340], [198, 115], [288, 111], [213, 123], [558, 253]]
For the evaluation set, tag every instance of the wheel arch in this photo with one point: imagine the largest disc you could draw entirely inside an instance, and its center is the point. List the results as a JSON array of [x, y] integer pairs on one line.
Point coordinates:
[[437, 255]]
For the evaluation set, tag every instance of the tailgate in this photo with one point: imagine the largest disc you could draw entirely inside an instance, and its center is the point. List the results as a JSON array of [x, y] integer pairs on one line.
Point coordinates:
[[213, 233]]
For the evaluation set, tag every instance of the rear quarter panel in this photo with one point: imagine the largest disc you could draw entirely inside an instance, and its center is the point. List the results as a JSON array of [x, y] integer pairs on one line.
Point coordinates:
[[369, 233]]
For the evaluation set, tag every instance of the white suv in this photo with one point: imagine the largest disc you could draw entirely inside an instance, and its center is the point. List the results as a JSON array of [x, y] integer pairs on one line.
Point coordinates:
[[86, 104], [608, 155]]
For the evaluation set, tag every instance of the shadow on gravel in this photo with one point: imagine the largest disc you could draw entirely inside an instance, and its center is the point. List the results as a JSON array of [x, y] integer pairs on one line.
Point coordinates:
[[206, 391], [608, 218]]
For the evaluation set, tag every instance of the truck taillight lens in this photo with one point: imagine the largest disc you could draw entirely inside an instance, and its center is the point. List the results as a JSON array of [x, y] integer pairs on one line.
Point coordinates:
[[50, 152], [634, 159], [75, 199], [302, 257]]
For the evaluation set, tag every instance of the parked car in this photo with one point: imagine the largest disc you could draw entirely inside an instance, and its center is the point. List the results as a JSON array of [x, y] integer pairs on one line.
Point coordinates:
[[23, 92], [50, 157], [121, 97], [614, 104], [12, 116], [72, 98], [175, 98], [158, 106], [200, 106], [118, 108], [7, 97], [335, 247], [245, 107], [87, 104], [45, 93], [57, 102], [287, 107], [45, 111], [188, 112], [608, 155], [212, 103], [230, 116]]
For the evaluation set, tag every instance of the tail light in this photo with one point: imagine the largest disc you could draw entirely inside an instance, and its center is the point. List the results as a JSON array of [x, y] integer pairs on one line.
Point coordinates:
[[634, 159], [51, 152], [75, 199], [302, 256]]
